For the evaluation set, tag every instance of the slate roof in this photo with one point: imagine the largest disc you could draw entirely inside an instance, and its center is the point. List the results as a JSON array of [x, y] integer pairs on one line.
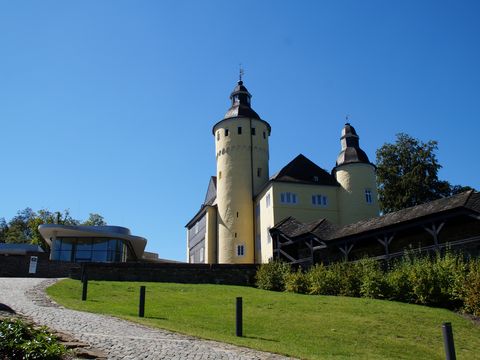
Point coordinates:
[[323, 229], [304, 171]]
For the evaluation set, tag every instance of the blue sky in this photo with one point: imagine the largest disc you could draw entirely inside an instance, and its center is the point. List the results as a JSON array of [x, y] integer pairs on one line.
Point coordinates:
[[107, 106]]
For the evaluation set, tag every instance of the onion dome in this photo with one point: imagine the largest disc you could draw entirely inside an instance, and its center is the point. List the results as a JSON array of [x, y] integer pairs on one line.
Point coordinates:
[[351, 152], [241, 107]]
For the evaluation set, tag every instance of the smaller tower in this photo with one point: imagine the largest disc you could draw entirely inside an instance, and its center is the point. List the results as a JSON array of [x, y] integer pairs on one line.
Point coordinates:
[[357, 198]]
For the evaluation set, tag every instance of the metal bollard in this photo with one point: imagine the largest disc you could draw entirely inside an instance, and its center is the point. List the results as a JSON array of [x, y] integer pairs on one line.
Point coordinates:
[[141, 307], [84, 289], [239, 316], [448, 341]]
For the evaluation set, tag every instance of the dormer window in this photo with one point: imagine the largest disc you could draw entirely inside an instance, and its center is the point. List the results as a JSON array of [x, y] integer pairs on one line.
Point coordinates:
[[315, 178], [236, 99]]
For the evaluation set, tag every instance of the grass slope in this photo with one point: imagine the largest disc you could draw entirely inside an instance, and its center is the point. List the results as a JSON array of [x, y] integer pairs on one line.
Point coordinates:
[[304, 326]]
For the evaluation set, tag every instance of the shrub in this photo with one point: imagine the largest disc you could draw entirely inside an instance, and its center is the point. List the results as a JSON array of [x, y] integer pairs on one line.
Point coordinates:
[[296, 282], [372, 279], [397, 282], [320, 281], [471, 289], [19, 340], [271, 276]]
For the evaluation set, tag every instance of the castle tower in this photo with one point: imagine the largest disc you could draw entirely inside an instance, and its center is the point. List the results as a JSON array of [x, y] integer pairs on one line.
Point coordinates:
[[241, 145], [357, 198]]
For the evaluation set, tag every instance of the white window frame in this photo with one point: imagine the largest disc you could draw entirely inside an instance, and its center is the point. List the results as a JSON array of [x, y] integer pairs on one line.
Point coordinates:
[[267, 200]]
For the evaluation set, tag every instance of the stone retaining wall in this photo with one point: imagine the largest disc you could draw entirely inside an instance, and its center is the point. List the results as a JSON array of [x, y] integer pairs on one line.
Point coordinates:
[[18, 266], [170, 272]]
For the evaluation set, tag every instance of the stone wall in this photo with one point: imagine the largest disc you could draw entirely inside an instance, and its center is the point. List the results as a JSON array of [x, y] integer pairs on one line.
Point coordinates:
[[18, 266], [239, 274]]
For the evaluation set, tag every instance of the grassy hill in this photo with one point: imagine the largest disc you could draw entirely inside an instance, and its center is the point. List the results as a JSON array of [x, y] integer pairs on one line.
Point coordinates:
[[304, 326]]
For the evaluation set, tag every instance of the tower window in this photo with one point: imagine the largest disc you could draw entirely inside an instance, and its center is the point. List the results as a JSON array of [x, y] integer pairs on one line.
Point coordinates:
[[240, 250], [239, 130], [267, 200], [264, 135], [259, 172], [288, 198], [368, 196], [226, 132], [319, 200], [269, 236], [218, 135], [219, 175], [237, 214], [253, 131]]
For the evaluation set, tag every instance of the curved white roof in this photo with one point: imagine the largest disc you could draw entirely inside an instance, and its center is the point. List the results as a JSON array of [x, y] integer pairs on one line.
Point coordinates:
[[137, 243]]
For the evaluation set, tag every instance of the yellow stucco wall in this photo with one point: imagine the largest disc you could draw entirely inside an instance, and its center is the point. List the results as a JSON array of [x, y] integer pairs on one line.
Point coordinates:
[[235, 174], [211, 236], [355, 179], [304, 210]]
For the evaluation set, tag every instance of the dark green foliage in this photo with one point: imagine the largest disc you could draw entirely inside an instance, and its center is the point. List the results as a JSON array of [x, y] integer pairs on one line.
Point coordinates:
[[446, 281], [23, 227], [271, 276], [470, 291], [322, 281], [19, 340], [407, 174], [296, 282]]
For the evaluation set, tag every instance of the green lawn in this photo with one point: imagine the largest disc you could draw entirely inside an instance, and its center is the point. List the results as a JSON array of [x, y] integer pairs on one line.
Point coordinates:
[[304, 326]]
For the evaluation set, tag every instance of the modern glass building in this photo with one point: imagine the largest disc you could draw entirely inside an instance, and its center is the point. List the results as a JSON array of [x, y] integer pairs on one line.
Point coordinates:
[[92, 243]]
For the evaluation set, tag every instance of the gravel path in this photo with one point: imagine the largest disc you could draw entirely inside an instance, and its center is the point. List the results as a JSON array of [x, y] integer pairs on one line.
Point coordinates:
[[120, 339]]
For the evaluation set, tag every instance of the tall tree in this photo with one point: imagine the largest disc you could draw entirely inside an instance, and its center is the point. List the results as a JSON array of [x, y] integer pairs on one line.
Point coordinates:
[[95, 220], [3, 230], [407, 174]]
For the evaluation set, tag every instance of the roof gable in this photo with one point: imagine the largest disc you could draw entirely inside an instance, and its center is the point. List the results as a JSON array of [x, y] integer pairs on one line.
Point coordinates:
[[304, 171]]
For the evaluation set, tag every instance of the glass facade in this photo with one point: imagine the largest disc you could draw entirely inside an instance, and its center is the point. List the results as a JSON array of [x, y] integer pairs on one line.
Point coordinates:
[[82, 249]]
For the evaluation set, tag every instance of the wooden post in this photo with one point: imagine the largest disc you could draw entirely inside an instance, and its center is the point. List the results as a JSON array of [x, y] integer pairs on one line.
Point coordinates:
[[84, 289], [448, 341], [141, 306], [239, 318]]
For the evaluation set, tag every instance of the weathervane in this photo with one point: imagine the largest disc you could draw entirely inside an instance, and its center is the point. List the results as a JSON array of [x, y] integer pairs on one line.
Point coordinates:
[[242, 72]]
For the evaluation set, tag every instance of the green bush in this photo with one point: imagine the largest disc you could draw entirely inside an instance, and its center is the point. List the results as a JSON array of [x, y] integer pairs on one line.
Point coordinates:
[[373, 282], [398, 283], [445, 281], [19, 340], [296, 282], [471, 289], [320, 281], [271, 276]]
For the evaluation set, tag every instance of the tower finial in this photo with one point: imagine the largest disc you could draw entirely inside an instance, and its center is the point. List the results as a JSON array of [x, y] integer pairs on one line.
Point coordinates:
[[347, 117], [241, 73]]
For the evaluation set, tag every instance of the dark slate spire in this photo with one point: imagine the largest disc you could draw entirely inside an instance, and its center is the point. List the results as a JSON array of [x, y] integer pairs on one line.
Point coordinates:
[[351, 152], [241, 103]]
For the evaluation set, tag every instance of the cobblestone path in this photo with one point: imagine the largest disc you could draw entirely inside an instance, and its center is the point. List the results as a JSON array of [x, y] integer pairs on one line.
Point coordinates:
[[118, 338]]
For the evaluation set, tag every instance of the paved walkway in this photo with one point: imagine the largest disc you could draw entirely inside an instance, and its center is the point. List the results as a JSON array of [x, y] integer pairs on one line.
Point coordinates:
[[120, 339]]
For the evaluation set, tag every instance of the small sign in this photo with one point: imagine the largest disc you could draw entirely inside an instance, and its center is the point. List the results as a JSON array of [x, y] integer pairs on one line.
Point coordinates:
[[33, 265]]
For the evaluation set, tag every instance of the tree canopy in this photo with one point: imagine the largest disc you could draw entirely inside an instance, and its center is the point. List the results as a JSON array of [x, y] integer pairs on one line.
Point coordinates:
[[23, 227], [407, 174]]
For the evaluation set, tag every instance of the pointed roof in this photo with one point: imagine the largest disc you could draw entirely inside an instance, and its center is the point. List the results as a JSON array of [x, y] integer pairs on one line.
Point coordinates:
[[241, 106], [304, 171], [351, 151]]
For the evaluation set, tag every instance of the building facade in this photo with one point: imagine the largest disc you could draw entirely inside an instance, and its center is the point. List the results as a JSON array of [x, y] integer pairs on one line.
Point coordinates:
[[243, 202]]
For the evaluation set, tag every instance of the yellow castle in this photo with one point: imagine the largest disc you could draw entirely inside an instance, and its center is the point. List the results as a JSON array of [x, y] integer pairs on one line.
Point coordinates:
[[243, 202]]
